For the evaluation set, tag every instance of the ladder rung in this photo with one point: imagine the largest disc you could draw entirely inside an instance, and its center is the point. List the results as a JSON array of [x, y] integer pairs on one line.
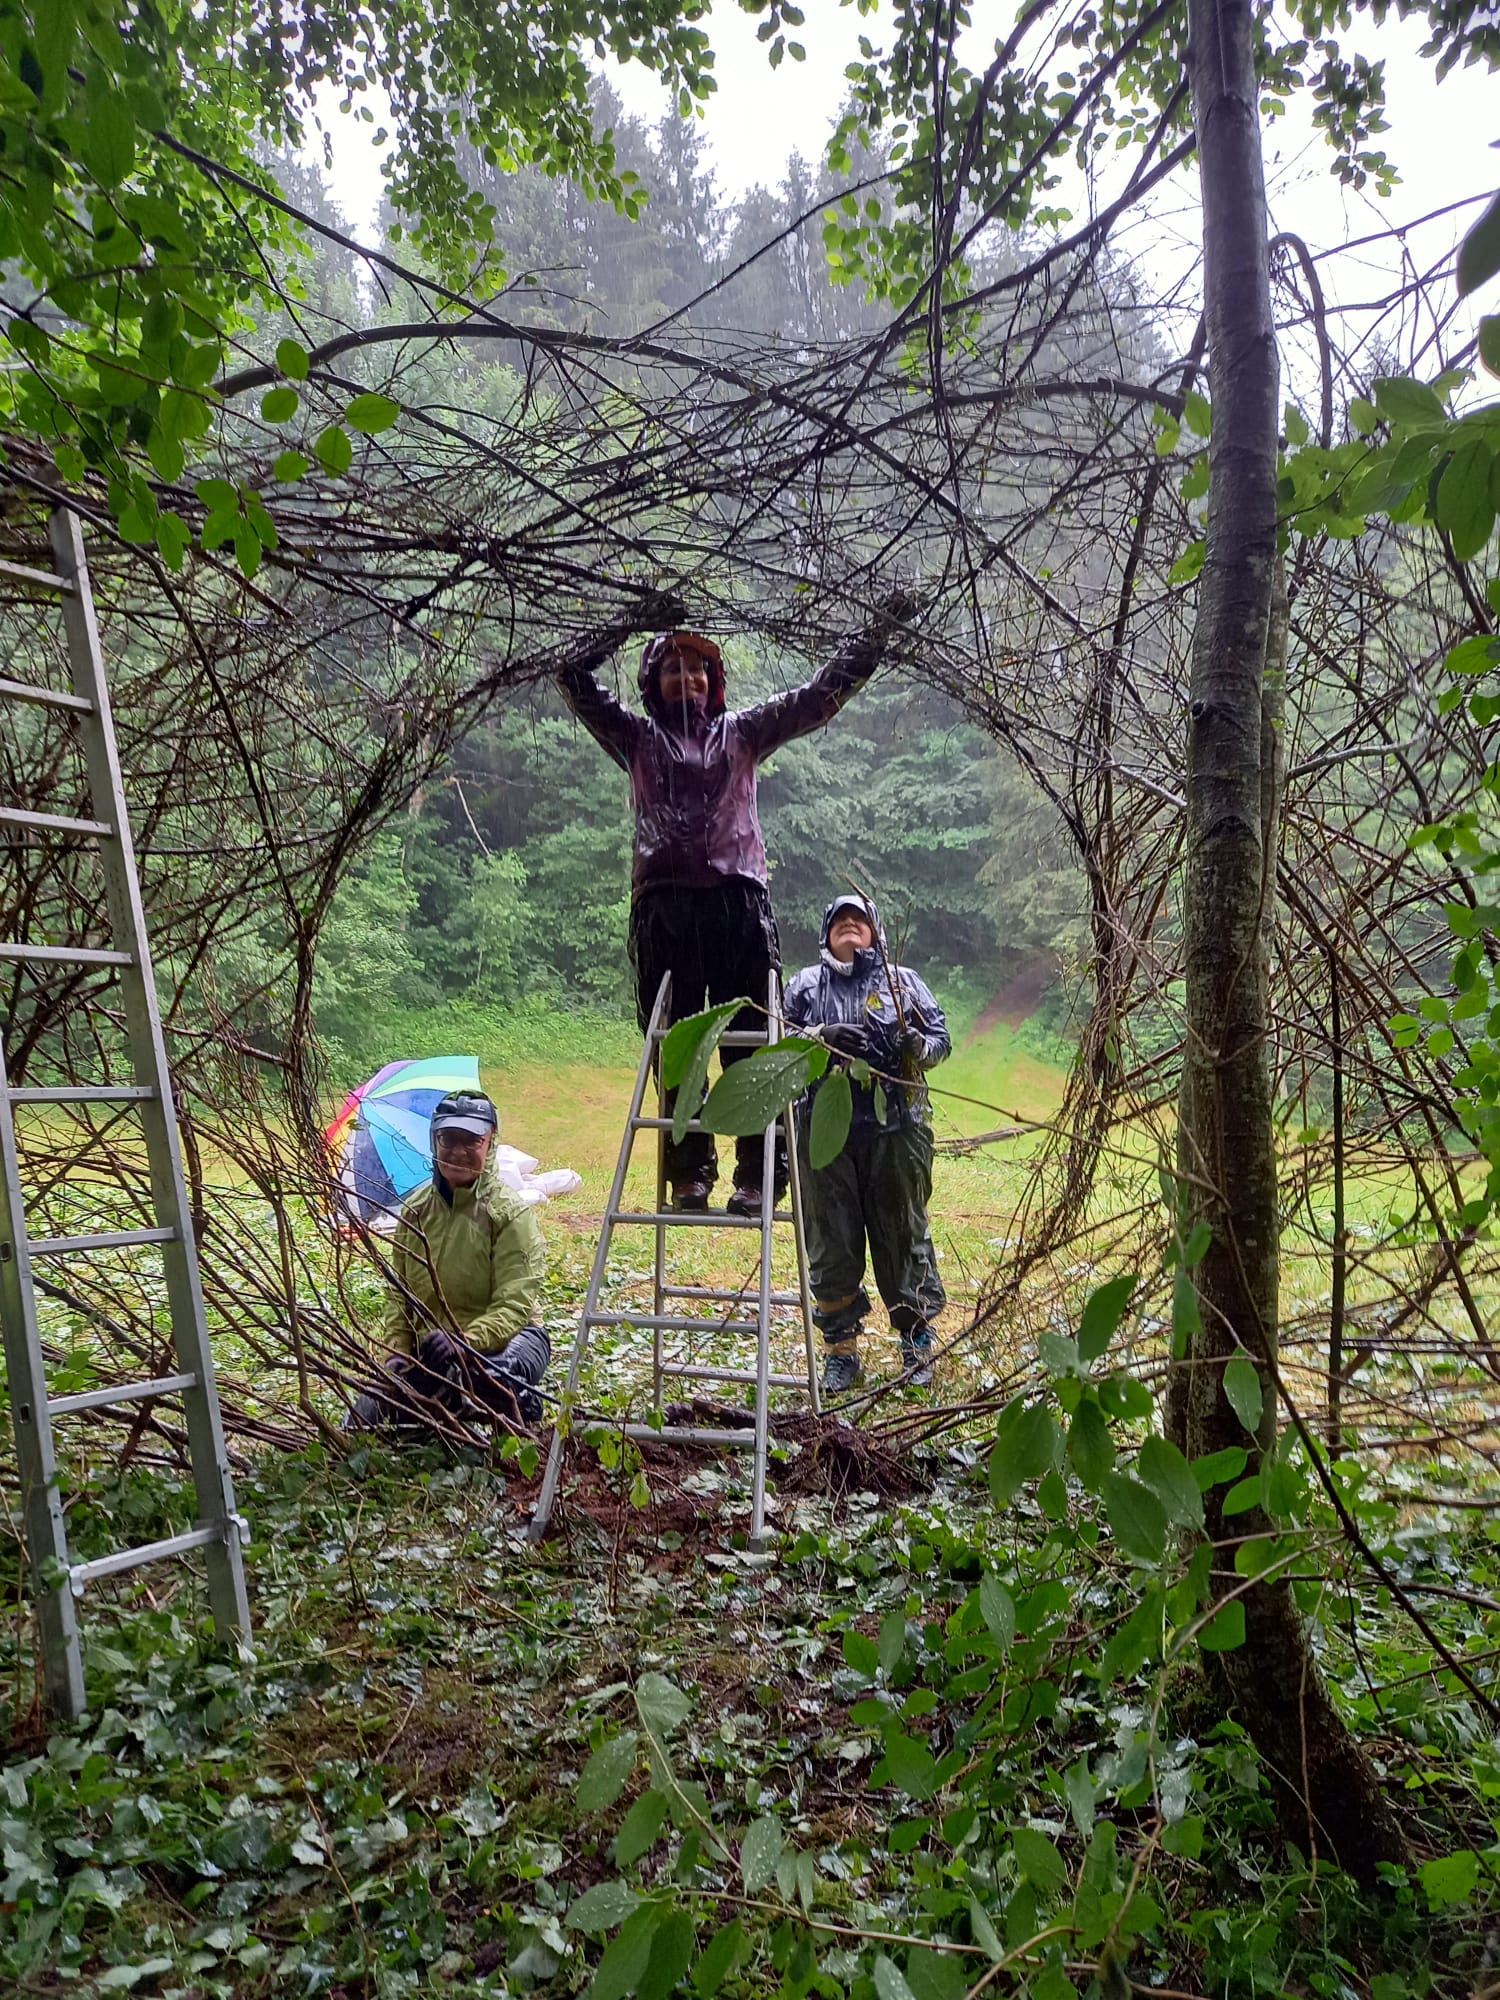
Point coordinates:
[[62, 954], [24, 573], [665, 1125], [742, 1440], [83, 1574], [695, 1218], [735, 1038], [690, 1371], [730, 1298], [82, 1093], [120, 1239], [669, 1324], [44, 697], [125, 1392], [55, 823]]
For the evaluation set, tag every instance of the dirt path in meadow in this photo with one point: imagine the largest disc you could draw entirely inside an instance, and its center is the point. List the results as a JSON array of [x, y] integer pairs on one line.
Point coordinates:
[[1017, 1000]]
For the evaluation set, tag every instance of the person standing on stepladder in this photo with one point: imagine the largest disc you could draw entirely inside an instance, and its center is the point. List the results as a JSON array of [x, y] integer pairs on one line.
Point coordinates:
[[700, 904]]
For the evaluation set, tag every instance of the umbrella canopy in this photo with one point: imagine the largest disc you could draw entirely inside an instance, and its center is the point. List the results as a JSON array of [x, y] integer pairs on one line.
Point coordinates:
[[379, 1140]]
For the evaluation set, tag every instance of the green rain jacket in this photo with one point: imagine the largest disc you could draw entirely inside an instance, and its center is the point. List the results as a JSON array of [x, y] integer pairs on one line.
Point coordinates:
[[489, 1256]]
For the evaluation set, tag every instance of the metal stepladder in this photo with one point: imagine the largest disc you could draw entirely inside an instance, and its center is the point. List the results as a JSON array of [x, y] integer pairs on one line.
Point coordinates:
[[58, 1582], [661, 1320]]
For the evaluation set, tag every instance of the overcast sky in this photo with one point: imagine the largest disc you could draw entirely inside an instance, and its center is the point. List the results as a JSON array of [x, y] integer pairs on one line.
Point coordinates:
[[1440, 136]]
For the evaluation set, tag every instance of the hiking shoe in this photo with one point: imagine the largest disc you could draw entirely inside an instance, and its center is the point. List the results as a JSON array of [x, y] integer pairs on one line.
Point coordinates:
[[842, 1374], [744, 1201], [690, 1197], [916, 1362]]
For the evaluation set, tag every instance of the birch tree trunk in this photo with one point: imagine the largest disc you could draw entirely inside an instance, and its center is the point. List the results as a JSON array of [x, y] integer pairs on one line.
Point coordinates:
[[1328, 1794]]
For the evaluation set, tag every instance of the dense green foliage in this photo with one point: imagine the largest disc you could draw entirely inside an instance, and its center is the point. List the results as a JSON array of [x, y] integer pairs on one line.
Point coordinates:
[[919, 1747]]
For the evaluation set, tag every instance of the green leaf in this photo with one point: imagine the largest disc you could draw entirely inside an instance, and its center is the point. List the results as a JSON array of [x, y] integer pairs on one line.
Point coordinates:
[[1489, 342], [279, 406], [1411, 405], [684, 1038], [1362, 416], [1078, 1790], [832, 1115], [607, 1773], [602, 1907], [1102, 1315], [1450, 1878], [1170, 1478], [173, 538], [998, 1609], [1214, 1468], [890, 1982], [720, 1956], [641, 1828], [1295, 425], [862, 1654], [623, 1965], [289, 468], [107, 137], [1189, 564], [661, 1706], [892, 1638], [1090, 1446], [1463, 504], [746, 1098], [1242, 1387], [1225, 1631], [985, 1935], [1185, 1839], [1198, 415], [1136, 1640], [334, 451], [370, 414], [1039, 1860], [292, 360], [1024, 1449], [910, 1766], [1479, 253], [1137, 1517], [760, 1850], [672, 1948]]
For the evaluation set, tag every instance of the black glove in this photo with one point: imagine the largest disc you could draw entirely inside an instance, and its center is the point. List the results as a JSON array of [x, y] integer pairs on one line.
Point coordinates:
[[661, 611], [913, 1045], [440, 1352], [849, 1038]]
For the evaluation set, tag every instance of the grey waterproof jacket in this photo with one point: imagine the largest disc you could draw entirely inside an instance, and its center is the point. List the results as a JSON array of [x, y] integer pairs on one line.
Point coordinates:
[[862, 991], [692, 774]]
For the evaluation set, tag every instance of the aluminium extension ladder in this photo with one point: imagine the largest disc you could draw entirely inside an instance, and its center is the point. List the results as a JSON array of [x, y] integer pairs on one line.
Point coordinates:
[[661, 1319], [58, 1582]]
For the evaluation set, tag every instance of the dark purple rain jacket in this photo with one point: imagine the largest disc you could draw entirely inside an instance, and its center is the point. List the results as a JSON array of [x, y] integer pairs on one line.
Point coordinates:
[[692, 775]]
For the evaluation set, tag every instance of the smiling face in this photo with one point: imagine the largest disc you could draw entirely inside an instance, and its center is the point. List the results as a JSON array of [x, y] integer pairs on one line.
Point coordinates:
[[682, 678], [848, 933], [461, 1156]]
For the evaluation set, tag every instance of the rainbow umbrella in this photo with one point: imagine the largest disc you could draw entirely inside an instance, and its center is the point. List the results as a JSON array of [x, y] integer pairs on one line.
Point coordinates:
[[379, 1141]]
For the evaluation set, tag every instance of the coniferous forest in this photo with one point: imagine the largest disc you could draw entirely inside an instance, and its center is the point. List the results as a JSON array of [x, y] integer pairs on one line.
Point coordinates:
[[1134, 1629]]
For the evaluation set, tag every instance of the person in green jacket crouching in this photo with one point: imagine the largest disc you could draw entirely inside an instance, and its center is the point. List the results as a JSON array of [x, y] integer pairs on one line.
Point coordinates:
[[467, 1265]]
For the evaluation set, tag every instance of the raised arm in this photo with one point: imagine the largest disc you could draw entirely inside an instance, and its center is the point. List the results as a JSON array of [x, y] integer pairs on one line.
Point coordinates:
[[817, 701], [608, 721]]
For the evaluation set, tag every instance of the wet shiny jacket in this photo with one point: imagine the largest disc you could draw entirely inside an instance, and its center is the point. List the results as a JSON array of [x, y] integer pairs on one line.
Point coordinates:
[[693, 774], [861, 991]]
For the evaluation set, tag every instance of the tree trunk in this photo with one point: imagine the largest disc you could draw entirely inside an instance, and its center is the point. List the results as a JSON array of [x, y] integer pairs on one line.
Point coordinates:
[[1329, 1797]]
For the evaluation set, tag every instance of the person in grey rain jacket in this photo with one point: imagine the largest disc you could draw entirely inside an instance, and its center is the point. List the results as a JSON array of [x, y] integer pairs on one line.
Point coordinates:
[[868, 1010], [700, 905]]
